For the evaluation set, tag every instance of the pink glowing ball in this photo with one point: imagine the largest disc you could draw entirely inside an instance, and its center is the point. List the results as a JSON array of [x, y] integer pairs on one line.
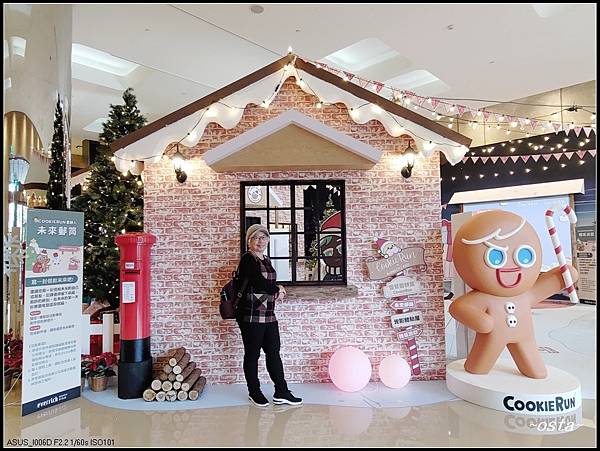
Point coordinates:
[[349, 369], [394, 371]]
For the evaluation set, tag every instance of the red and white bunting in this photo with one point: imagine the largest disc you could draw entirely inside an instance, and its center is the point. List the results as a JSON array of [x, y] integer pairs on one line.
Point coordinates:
[[534, 124], [465, 159], [474, 159], [557, 127], [587, 131], [498, 116], [485, 159], [514, 158], [363, 83], [525, 158], [557, 156], [504, 159], [378, 87], [461, 110], [581, 153], [494, 159], [546, 156], [349, 75], [577, 131], [486, 115], [592, 152], [569, 155], [535, 157], [434, 103], [522, 121]]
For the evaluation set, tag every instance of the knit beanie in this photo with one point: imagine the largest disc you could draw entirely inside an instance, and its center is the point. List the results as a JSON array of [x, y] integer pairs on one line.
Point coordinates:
[[253, 229]]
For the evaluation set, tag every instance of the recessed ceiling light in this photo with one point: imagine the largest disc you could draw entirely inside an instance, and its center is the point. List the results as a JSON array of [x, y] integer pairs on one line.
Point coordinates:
[[257, 9], [450, 27], [146, 29], [492, 62]]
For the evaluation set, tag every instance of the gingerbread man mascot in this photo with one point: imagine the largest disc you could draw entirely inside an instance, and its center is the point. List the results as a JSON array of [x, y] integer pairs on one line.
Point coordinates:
[[498, 254]]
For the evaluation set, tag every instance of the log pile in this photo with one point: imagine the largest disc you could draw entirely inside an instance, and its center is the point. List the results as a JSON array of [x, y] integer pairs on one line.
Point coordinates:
[[175, 378]]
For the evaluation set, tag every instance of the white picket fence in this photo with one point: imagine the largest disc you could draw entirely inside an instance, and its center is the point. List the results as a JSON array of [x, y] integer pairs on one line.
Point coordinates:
[[107, 329]]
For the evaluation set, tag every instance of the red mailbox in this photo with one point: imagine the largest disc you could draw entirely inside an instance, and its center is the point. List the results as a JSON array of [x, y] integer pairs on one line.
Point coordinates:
[[135, 359]]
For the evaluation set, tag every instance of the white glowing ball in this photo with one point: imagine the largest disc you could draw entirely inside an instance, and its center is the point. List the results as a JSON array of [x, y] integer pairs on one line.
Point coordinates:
[[394, 371], [350, 369]]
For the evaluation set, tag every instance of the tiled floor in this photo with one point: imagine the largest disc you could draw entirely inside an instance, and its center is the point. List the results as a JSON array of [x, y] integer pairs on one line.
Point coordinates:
[[451, 423], [455, 423]]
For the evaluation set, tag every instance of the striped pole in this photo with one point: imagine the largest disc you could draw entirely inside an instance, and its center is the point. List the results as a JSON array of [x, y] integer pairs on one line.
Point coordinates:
[[566, 274], [411, 344]]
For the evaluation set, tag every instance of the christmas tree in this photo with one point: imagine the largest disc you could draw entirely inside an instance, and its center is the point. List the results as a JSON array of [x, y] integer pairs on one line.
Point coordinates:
[[57, 182], [113, 203]]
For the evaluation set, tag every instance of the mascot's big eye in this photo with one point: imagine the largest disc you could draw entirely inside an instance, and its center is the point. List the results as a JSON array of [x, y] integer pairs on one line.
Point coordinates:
[[495, 258], [328, 252], [525, 256]]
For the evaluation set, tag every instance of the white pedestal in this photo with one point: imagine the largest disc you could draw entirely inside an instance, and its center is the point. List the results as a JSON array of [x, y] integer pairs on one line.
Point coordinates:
[[507, 390]]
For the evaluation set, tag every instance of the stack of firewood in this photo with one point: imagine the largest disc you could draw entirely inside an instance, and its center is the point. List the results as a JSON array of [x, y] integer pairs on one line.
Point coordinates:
[[175, 378]]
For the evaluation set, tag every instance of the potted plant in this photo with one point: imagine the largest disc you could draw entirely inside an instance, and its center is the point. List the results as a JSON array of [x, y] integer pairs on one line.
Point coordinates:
[[98, 369], [13, 358]]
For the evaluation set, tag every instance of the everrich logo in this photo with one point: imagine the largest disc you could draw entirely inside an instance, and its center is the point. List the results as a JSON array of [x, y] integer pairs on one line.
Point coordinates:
[[559, 404]]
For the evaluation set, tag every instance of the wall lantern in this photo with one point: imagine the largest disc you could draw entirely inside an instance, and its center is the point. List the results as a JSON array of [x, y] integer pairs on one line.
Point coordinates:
[[408, 161], [178, 159]]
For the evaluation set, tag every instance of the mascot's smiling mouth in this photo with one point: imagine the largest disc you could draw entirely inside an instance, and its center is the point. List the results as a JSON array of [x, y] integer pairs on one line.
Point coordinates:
[[504, 283]]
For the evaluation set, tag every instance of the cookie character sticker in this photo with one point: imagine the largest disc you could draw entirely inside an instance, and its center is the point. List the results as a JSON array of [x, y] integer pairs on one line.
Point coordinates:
[[498, 254]]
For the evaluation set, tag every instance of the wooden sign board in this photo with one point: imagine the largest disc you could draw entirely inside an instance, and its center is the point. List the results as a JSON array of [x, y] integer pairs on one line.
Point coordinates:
[[397, 305], [411, 332], [401, 286], [395, 264], [406, 319]]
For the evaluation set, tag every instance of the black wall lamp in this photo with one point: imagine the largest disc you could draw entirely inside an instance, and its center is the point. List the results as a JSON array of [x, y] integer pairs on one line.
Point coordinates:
[[177, 159], [408, 162]]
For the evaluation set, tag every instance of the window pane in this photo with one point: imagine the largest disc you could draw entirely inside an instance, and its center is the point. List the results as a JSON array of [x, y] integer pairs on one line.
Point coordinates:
[[306, 196], [256, 196], [331, 256], [279, 196], [283, 269], [303, 246], [307, 221], [280, 246], [306, 270], [280, 220], [255, 217]]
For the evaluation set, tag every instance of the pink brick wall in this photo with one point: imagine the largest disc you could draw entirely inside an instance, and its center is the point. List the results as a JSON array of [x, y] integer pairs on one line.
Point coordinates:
[[197, 226]]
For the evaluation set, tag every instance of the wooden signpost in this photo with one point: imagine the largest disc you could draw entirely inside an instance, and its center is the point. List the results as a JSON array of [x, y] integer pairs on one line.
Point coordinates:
[[401, 286], [395, 264], [412, 318]]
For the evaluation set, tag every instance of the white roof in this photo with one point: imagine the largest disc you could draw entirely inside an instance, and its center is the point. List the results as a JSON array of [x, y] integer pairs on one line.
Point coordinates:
[[228, 112]]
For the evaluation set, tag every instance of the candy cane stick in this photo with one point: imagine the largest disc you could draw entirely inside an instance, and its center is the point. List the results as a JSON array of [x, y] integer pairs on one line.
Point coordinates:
[[558, 249]]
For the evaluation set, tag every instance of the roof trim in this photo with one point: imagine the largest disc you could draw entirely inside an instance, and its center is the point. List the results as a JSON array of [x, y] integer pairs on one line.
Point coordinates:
[[291, 117], [322, 74]]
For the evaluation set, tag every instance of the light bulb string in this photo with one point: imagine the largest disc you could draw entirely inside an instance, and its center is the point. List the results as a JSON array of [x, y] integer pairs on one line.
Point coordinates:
[[442, 100], [300, 80]]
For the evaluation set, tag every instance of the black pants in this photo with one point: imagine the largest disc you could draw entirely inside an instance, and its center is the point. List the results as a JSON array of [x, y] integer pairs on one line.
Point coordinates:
[[266, 336]]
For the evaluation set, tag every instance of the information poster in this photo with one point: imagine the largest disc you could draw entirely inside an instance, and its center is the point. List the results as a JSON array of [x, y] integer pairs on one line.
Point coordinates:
[[586, 260], [52, 322]]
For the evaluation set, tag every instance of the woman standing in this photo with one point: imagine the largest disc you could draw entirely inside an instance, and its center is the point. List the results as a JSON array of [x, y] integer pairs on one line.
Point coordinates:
[[256, 317]]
